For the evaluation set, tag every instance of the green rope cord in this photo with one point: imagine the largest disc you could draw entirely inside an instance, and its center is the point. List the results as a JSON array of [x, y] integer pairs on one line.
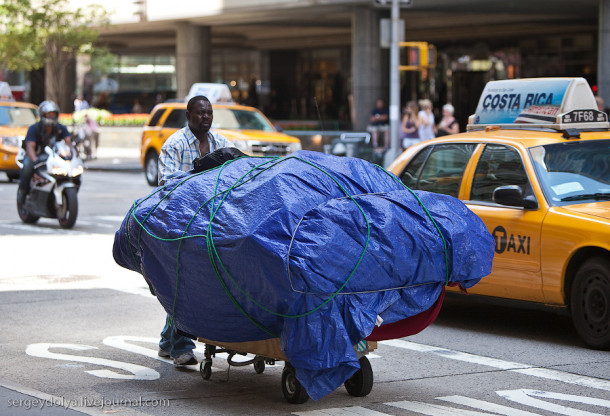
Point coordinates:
[[445, 251], [212, 248], [213, 253]]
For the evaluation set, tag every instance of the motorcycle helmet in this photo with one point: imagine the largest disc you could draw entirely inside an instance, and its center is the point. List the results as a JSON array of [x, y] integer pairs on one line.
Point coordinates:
[[45, 108]]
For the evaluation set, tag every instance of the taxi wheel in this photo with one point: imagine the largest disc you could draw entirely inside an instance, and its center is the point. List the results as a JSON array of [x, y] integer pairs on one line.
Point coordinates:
[[151, 168], [590, 302], [12, 176]]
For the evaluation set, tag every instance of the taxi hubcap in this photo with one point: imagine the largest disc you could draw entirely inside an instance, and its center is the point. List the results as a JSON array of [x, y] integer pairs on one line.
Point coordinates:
[[596, 302]]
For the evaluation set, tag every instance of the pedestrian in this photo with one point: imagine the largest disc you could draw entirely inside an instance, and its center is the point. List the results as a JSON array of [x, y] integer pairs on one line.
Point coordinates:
[[448, 124], [427, 128], [600, 105], [80, 103], [379, 124], [177, 155], [94, 128], [410, 123]]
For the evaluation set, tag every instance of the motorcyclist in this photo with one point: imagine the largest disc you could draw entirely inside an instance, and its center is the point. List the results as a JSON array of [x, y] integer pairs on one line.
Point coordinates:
[[46, 132]]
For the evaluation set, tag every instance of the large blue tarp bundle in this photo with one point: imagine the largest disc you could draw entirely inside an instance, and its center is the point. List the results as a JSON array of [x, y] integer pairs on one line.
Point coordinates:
[[311, 248]]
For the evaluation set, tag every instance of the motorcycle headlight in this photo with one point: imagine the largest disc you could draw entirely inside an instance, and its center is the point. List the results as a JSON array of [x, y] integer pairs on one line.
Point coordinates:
[[59, 171], [12, 141], [243, 145], [77, 171]]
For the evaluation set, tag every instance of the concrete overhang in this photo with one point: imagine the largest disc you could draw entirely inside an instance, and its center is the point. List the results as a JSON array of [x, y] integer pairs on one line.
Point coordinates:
[[317, 23]]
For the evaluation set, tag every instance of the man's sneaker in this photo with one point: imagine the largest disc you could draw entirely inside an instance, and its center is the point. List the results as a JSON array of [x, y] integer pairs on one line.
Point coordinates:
[[163, 353], [188, 358]]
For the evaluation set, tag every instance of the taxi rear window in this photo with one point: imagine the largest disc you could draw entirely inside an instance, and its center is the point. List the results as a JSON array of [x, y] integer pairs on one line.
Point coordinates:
[[17, 116], [440, 169]]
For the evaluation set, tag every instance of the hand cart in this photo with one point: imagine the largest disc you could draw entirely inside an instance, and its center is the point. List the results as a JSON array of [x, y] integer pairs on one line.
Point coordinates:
[[269, 351]]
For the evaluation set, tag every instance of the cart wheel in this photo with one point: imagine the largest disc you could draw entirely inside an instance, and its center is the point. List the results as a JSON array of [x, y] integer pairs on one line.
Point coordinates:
[[205, 368], [361, 382], [293, 391], [259, 366]]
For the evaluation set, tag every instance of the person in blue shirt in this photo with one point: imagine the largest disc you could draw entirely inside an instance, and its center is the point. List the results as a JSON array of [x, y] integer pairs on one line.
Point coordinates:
[[45, 132]]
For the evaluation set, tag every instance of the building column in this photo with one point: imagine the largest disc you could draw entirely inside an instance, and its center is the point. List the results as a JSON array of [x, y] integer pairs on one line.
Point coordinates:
[[369, 68], [603, 52], [193, 56]]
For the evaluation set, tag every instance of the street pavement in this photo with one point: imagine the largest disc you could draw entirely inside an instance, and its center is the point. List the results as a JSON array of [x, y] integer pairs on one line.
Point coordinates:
[[119, 150]]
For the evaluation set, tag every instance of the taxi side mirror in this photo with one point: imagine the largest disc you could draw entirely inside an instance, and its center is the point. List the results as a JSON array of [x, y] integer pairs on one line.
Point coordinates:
[[512, 195]]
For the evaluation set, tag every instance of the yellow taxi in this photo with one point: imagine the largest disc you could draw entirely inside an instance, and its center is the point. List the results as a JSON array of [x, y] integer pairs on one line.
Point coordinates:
[[534, 165], [246, 127], [15, 118]]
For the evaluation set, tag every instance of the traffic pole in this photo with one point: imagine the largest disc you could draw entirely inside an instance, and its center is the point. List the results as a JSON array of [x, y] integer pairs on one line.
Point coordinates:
[[393, 152]]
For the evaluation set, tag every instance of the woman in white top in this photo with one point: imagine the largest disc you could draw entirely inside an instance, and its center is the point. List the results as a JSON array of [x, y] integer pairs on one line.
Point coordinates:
[[427, 127], [448, 124]]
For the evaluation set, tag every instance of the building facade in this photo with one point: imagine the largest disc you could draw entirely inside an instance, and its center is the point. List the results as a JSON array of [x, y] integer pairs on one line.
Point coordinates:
[[324, 60]]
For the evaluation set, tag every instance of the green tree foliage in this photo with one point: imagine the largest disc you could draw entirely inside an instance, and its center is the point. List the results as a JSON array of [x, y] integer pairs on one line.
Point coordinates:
[[49, 33]]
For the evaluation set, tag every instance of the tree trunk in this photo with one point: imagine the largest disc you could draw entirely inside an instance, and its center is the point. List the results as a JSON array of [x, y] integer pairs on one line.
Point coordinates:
[[60, 76], [37, 88]]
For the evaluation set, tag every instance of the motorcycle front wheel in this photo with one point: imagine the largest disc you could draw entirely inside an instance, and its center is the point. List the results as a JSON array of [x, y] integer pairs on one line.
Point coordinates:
[[24, 215], [66, 214]]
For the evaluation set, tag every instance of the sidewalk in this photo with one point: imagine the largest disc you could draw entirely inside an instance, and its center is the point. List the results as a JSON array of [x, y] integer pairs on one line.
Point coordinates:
[[115, 159], [119, 150]]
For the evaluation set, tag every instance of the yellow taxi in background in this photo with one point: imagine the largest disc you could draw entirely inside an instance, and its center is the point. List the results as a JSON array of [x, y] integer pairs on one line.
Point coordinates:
[[15, 118], [534, 165], [246, 127]]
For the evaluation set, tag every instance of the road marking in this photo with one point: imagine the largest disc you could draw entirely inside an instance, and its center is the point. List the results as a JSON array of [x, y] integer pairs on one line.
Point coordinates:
[[526, 369], [41, 229], [97, 224], [138, 372], [341, 411], [435, 409], [487, 406], [112, 218], [121, 342], [526, 397], [88, 254]]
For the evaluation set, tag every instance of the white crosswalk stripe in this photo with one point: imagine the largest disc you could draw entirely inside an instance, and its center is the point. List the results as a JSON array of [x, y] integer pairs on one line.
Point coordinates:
[[342, 411], [526, 369]]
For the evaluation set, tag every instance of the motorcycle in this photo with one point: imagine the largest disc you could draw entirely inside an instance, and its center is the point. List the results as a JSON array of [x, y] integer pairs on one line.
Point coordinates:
[[54, 186]]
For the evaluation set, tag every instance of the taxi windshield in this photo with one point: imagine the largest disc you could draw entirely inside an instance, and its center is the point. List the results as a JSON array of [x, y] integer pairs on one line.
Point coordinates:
[[574, 172], [235, 119], [17, 116]]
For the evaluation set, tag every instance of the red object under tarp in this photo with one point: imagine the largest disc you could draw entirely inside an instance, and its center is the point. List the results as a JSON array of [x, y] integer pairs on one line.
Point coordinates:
[[408, 326]]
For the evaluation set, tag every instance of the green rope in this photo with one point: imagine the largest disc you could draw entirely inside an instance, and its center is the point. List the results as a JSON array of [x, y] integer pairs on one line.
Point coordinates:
[[445, 251], [212, 247], [213, 253]]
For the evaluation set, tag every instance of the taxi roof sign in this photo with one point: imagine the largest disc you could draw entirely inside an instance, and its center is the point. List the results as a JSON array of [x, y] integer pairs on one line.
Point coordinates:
[[5, 92], [216, 93], [557, 103]]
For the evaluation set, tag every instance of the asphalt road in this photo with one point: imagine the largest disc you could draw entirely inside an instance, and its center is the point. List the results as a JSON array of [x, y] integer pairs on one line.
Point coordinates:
[[79, 336]]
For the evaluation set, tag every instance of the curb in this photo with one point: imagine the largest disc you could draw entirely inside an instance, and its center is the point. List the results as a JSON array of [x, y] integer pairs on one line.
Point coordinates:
[[116, 165]]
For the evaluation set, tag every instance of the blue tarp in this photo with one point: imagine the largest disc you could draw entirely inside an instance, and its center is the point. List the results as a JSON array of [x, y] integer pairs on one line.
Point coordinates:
[[310, 248]]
